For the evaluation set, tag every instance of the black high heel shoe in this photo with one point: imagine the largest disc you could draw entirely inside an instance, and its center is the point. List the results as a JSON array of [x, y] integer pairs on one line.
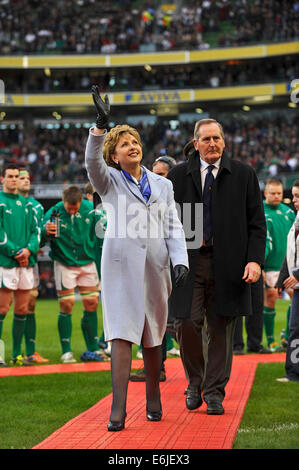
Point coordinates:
[[154, 415], [117, 425]]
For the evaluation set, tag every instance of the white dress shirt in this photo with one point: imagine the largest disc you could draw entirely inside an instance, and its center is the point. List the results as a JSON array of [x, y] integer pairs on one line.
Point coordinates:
[[204, 170]]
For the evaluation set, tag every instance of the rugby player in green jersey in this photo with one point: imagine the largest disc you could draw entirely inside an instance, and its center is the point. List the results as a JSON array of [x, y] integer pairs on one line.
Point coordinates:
[[19, 243], [279, 219], [30, 325], [72, 241]]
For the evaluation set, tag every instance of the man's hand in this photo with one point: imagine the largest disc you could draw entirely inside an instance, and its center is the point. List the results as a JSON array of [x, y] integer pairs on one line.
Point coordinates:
[[22, 257], [102, 107], [180, 275], [252, 272], [290, 282], [51, 229]]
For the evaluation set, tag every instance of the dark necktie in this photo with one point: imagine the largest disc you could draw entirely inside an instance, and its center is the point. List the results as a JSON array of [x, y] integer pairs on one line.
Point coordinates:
[[207, 207]]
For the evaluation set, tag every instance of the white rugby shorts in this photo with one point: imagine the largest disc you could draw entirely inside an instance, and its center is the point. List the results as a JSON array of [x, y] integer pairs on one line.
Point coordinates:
[[69, 277], [271, 278], [18, 278]]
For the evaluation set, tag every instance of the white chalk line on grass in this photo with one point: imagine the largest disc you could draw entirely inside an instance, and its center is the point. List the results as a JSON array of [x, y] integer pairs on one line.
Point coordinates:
[[283, 427]]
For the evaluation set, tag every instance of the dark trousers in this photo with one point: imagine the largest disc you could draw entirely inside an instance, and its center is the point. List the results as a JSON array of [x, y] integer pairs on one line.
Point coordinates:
[[164, 352], [253, 323], [206, 338], [292, 356]]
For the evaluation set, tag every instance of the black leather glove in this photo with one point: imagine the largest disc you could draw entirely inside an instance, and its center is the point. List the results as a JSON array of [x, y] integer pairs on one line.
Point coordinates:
[[102, 107], [180, 275]]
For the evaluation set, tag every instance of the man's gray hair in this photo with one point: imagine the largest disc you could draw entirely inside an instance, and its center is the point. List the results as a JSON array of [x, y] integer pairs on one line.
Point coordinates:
[[201, 122]]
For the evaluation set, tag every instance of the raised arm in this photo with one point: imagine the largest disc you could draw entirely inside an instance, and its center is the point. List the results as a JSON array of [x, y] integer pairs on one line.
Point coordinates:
[[97, 169]]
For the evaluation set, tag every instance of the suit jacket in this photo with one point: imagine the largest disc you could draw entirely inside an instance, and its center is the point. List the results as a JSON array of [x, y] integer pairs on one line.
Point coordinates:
[[239, 232], [140, 238]]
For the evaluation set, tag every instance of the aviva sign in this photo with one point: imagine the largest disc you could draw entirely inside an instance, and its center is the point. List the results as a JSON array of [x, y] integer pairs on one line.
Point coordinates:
[[151, 97]]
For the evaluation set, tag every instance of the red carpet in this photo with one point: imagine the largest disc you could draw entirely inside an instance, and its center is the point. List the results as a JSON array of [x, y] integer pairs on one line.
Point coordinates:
[[179, 428]]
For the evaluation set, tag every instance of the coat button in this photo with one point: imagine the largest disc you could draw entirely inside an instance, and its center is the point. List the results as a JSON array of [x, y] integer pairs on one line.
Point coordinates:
[[143, 246]]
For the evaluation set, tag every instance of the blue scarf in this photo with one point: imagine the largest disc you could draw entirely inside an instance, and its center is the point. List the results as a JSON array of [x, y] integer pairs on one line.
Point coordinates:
[[143, 184]]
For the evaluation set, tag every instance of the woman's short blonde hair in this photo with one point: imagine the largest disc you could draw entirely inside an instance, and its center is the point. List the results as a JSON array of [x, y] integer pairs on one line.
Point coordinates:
[[112, 139]]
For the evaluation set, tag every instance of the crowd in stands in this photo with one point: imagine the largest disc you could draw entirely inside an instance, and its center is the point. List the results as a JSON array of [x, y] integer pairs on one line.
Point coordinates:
[[57, 155], [88, 26], [199, 75]]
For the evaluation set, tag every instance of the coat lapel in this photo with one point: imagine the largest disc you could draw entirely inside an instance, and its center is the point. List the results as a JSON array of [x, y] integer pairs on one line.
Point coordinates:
[[155, 185], [133, 188], [194, 169]]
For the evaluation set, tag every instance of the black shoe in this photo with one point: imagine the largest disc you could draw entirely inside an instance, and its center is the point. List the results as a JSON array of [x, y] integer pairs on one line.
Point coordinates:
[[214, 408], [162, 375], [238, 352], [260, 350], [193, 398], [138, 376], [117, 425], [154, 415]]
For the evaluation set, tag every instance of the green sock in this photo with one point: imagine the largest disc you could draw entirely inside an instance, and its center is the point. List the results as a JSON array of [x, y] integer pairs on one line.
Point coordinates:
[[169, 342], [102, 337], [89, 326], [2, 317], [18, 328], [30, 333], [269, 318], [65, 331], [287, 331]]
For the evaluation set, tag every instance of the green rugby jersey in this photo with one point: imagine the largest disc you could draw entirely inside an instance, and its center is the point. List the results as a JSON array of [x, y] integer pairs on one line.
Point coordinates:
[[279, 220], [39, 212], [37, 208], [18, 229], [76, 244]]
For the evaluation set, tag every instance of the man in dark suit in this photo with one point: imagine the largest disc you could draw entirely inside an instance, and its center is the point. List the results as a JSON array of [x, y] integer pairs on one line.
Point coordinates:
[[224, 261]]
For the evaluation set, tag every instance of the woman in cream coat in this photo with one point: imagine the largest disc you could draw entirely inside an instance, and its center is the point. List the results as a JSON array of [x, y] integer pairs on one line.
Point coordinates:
[[143, 232]]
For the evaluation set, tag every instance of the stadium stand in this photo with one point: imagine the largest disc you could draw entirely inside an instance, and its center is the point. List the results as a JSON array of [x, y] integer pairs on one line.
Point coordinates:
[[85, 26], [208, 75], [164, 66], [57, 155]]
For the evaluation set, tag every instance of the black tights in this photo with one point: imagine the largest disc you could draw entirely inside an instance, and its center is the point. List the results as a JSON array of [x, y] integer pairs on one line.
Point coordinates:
[[121, 357], [152, 359]]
